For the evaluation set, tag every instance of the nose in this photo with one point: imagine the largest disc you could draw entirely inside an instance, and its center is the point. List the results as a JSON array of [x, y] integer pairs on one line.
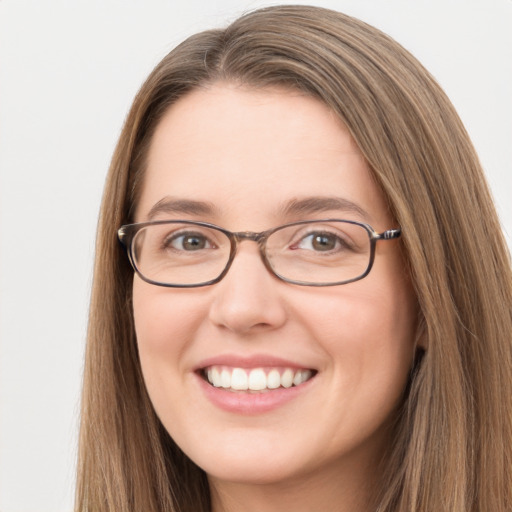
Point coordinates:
[[248, 298]]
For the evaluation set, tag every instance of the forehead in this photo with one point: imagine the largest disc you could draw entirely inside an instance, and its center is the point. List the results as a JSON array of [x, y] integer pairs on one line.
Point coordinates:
[[247, 152]]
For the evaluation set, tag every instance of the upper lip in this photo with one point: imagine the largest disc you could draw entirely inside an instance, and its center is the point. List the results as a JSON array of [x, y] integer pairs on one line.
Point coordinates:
[[253, 361]]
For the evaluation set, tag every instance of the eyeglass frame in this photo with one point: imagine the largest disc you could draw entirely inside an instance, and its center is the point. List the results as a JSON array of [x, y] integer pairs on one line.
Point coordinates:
[[126, 234]]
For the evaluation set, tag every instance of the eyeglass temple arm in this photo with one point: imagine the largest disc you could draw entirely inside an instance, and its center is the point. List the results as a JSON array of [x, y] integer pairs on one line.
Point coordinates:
[[121, 235], [390, 234]]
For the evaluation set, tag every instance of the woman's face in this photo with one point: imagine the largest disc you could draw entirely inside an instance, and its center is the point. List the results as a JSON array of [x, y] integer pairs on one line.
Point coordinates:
[[239, 158]]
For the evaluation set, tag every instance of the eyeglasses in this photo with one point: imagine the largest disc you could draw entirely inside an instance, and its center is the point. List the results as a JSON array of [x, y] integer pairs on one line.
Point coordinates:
[[186, 254]]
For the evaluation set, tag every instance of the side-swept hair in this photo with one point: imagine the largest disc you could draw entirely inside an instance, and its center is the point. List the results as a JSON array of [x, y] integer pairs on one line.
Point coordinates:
[[453, 446]]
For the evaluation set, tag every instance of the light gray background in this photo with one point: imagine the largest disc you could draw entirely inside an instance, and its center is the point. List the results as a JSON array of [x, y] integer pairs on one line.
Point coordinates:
[[68, 72]]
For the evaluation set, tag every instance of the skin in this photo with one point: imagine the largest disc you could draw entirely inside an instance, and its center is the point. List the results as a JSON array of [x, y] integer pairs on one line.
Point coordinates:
[[247, 153]]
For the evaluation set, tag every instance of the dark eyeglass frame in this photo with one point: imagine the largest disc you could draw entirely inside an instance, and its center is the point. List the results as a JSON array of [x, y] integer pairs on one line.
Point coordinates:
[[127, 232]]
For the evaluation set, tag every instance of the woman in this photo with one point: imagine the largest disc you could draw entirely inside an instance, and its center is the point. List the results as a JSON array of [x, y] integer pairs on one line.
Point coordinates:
[[360, 358]]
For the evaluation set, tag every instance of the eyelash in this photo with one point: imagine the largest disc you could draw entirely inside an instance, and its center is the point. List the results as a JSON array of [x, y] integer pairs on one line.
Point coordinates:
[[167, 243], [340, 242], [304, 239]]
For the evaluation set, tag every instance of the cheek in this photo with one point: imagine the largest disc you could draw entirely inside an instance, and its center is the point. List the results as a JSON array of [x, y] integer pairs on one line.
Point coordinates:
[[163, 321], [368, 333], [164, 325], [365, 317]]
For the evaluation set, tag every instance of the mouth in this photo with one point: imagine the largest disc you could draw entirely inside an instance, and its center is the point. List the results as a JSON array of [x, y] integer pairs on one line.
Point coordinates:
[[255, 380]]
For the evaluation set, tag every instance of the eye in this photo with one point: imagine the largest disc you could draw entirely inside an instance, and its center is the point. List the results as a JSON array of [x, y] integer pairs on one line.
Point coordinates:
[[321, 241], [188, 242]]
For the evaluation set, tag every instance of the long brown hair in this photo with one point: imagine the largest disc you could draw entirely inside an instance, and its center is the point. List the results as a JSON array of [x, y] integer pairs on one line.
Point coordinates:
[[453, 446]]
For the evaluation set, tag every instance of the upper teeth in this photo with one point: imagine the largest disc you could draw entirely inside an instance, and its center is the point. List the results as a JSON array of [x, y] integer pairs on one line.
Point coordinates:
[[257, 379]]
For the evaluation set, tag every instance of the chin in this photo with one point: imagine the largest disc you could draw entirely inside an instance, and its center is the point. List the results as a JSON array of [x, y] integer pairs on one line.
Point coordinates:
[[246, 472], [255, 461]]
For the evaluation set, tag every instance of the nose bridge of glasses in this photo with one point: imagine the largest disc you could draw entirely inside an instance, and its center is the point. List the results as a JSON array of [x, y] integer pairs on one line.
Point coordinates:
[[251, 236], [247, 235]]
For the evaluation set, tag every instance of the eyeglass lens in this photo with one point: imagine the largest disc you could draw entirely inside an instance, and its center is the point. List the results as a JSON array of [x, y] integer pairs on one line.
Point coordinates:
[[189, 254]]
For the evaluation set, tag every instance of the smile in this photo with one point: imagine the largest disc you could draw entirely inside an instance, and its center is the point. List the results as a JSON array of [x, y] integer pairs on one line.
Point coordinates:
[[256, 379]]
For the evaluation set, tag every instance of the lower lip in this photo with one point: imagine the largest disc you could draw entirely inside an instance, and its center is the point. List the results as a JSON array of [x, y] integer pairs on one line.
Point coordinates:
[[246, 403]]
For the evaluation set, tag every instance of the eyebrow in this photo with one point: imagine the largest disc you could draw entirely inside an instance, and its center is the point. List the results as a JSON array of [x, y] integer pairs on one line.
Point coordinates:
[[293, 208], [182, 206], [316, 204]]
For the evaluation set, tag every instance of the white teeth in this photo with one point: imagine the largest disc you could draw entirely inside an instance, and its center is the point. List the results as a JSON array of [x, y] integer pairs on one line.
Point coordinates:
[[301, 377], [225, 379], [257, 380], [273, 379], [306, 375], [240, 379], [215, 376], [287, 379]]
